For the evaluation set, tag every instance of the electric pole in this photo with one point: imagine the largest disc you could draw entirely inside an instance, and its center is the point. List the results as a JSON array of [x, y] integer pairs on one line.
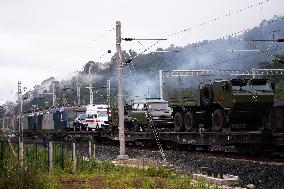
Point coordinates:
[[53, 95], [148, 89], [161, 84], [20, 128], [108, 93], [120, 94], [78, 90], [90, 88]]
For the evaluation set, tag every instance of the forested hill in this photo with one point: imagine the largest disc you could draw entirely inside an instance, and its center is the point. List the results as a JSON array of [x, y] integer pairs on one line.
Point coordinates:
[[143, 70]]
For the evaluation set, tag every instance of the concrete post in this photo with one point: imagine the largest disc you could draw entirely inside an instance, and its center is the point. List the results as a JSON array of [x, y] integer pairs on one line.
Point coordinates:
[[120, 102], [13, 124], [21, 144], [90, 150], [21, 152], [3, 127], [50, 156], [74, 158], [161, 84], [94, 151]]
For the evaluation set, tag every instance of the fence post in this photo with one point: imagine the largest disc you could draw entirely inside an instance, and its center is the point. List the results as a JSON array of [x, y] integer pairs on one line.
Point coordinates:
[[94, 152], [13, 124], [62, 156], [74, 159], [2, 157], [90, 150], [3, 124], [50, 156]]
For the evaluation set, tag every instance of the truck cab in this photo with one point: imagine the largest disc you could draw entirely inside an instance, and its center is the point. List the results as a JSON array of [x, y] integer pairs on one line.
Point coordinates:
[[139, 115], [150, 111]]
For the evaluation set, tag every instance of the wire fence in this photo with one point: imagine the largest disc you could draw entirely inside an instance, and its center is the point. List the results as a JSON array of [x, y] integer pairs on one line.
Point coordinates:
[[45, 156]]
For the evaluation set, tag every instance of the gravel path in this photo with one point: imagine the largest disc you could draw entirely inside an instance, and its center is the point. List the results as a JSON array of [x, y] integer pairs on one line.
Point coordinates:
[[262, 175]]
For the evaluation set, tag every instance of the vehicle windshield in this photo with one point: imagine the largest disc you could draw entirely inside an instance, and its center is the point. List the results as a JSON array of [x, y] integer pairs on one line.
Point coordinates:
[[92, 116], [260, 85], [82, 116], [252, 85], [102, 114], [240, 85], [158, 106]]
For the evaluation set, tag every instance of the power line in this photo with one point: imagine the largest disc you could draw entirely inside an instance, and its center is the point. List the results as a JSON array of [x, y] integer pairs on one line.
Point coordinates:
[[204, 23], [222, 46], [218, 18], [234, 59], [264, 51]]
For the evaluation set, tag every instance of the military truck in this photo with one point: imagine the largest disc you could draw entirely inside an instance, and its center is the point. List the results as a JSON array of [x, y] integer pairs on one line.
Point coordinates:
[[235, 103], [140, 114]]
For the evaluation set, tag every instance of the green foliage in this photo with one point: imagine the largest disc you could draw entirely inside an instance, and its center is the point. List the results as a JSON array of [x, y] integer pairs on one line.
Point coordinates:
[[279, 90], [90, 173]]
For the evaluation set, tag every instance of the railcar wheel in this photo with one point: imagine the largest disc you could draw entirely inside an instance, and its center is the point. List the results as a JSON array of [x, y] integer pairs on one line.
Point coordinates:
[[190, 122], [178, 121], [218, 120]]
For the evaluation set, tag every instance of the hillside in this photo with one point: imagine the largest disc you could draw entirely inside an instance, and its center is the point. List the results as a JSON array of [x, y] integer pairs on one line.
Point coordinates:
[[143, 70]]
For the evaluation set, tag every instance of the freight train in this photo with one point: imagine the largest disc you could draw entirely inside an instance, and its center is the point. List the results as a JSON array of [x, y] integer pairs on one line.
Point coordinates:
[[229, 104], [59, 119]]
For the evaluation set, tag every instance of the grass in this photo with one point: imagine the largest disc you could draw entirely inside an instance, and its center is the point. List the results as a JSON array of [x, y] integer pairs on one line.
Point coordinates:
[[90, 174]]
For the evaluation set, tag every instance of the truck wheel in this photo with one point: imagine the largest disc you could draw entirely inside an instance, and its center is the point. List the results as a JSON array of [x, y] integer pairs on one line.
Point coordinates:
[[179, 122], [218, 120], [190, 122]]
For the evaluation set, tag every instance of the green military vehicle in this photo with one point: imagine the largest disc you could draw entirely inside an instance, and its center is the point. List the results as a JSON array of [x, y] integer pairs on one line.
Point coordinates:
[[140, 114], [236, 103]]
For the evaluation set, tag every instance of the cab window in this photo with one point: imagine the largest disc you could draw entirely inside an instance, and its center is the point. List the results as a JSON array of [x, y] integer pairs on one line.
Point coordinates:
[[138, 107], [225, 86]]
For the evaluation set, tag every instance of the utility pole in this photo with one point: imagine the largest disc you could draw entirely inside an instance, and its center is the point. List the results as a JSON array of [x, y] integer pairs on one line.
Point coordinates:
[[108, 93], [148, 89], [90, 88], [78, 90], [120, 94], [20, 128], [53, 95], [161, 84]]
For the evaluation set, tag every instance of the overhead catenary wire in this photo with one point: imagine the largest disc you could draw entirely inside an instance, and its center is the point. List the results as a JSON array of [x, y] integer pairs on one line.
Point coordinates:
[[203, 24], [264, 51], [231, 43], [131, 65]]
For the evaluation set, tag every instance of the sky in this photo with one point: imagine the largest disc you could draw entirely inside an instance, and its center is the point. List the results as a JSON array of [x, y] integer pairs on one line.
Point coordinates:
[[44, 38]]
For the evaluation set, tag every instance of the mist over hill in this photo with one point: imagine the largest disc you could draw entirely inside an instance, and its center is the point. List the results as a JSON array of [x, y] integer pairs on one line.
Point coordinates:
[[143, 70]]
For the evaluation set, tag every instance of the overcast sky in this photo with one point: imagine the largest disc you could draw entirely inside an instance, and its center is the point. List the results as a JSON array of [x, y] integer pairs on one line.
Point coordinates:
[[43, 38]]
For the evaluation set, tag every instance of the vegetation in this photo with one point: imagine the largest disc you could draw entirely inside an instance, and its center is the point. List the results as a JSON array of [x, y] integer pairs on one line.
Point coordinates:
[[207, 54], [90, 174]]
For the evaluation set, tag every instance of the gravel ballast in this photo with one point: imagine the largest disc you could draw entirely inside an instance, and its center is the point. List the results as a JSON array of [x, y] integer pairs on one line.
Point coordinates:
[[261, 174]]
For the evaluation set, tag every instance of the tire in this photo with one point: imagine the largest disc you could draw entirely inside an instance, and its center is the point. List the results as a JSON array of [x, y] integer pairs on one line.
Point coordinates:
[[179, 121], [190, 122], [218, 120], [207, 94]]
